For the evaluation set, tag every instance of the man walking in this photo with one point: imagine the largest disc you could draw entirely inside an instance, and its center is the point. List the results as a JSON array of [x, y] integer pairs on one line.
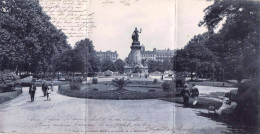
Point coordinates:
[[32, 90], [44, 88], [194, 94], [185, 92]]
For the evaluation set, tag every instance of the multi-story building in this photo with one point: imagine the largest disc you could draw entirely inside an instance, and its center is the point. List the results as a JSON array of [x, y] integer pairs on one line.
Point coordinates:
[[108, 54], [157, 55]]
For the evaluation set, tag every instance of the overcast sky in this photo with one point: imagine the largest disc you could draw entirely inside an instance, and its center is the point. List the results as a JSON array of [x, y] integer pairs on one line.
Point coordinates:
[[165, 23]]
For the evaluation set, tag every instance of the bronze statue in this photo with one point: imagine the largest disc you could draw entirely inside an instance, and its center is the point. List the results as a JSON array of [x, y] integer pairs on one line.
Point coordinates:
[[135, 35]]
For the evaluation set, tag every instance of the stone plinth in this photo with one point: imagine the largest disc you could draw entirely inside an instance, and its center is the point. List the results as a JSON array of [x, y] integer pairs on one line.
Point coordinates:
[[129, 69], [135, 59], [135, 55]]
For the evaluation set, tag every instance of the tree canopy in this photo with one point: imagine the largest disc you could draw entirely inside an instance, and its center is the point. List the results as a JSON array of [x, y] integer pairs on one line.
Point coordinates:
[[232, 51], [27, 37]]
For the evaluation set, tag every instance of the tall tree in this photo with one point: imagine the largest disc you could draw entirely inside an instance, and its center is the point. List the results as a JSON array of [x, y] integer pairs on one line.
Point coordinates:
[[239, 35], [28, 38], [107, 64], [119, 65], [88, 56], [155, 66], [196, 57]]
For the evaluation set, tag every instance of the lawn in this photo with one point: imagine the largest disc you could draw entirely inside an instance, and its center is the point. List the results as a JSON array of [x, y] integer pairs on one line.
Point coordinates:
[[212, 83], [105, 90]]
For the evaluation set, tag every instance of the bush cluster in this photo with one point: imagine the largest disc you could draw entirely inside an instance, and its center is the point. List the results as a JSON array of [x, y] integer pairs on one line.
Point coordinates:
[[155, 81], [76, 79], [168, 86], [248, 102], [7, 80], [75, 86], [94, 80]]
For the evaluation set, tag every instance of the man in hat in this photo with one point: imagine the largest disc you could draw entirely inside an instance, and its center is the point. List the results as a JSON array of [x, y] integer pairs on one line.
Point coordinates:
[[32, 90], [194, 94], [185, 92]]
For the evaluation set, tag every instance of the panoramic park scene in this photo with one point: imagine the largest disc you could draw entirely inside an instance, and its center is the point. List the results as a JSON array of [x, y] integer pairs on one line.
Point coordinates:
[[108, 81]]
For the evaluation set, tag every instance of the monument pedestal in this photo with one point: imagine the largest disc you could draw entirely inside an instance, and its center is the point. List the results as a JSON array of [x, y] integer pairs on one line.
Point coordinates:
[[129, 69], [135, 59]]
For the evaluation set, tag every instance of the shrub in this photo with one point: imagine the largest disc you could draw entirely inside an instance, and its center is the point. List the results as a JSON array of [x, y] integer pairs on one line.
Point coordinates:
[[94, 90], [49, 79], [75, 79], [75, 86], [137, 70], [168, 85], [151, 90], [248, 102], [120, 83], [68, 78], [7, 80], [155, 81], [108, 73], [25, 84], [94, 80]]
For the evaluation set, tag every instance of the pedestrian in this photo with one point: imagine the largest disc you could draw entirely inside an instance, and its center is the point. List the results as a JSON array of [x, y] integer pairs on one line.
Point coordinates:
[[52, 86], [44, 88], [32, 90], [185, 92], [194, 94], [48, 94]]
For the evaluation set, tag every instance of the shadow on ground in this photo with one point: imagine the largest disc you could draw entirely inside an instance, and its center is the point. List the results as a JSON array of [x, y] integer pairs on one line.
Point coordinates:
[[233, 125]]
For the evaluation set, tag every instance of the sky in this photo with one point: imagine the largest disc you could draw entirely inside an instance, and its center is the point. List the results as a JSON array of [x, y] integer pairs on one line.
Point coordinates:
[[164, 23]]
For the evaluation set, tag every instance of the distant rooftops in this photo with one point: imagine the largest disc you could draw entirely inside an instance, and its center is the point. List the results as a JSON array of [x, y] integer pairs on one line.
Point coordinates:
[[107, 52]]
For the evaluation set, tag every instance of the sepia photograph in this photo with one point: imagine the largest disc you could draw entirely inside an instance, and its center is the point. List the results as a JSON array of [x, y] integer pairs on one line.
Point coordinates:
[[130, 66]]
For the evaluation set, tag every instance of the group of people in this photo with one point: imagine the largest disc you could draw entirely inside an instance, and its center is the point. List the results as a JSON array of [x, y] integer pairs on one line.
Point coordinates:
[[192, 92], [45, 89]]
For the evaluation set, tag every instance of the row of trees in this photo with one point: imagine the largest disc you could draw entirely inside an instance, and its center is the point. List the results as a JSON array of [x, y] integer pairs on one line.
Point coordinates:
[[83, 59], [159, 66], [232, 52], [31, 44]]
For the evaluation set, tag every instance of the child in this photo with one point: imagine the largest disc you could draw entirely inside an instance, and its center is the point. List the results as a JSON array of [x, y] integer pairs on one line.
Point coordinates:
[[48, 94], [52, 86]]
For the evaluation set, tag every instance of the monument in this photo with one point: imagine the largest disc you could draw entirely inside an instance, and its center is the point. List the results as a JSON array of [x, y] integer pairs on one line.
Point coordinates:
[[134, 64]]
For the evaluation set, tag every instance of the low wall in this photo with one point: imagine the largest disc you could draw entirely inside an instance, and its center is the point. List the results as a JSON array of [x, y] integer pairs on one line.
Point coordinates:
[[10, 95], [113, 94]]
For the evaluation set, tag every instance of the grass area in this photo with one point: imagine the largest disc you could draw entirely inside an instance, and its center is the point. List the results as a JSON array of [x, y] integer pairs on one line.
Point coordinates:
[[212, 83], [105, 90], [114, 94], [10, 95]]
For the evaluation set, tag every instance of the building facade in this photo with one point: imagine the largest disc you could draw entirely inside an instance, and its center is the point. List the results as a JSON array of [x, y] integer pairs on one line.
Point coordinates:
[[157, 55], [108, 54]]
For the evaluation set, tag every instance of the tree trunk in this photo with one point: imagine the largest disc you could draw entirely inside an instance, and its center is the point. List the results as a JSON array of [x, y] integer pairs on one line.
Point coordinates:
[[223, 77]]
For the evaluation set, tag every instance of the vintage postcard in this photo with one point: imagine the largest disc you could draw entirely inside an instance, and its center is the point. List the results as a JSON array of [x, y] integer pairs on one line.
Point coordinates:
[[129, 66]]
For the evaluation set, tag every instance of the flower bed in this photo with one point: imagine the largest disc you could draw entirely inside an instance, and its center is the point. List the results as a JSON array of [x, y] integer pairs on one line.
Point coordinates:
[[113, 94]]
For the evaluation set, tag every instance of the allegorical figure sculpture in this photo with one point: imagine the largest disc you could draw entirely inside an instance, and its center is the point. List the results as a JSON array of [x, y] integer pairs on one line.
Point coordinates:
[[135, 35], [134, 57]]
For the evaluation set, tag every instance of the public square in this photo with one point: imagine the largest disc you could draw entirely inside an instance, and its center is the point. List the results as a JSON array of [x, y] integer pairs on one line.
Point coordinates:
[[68, 114]]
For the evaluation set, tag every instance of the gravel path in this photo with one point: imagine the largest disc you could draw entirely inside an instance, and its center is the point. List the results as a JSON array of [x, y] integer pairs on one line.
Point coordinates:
[[67, 114]]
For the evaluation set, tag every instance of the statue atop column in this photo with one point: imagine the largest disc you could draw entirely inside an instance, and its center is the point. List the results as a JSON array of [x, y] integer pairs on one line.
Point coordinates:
[[135, 35]]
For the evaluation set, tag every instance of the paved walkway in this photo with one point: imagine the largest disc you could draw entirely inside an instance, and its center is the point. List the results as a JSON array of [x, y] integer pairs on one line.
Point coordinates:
[[67, 114]]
